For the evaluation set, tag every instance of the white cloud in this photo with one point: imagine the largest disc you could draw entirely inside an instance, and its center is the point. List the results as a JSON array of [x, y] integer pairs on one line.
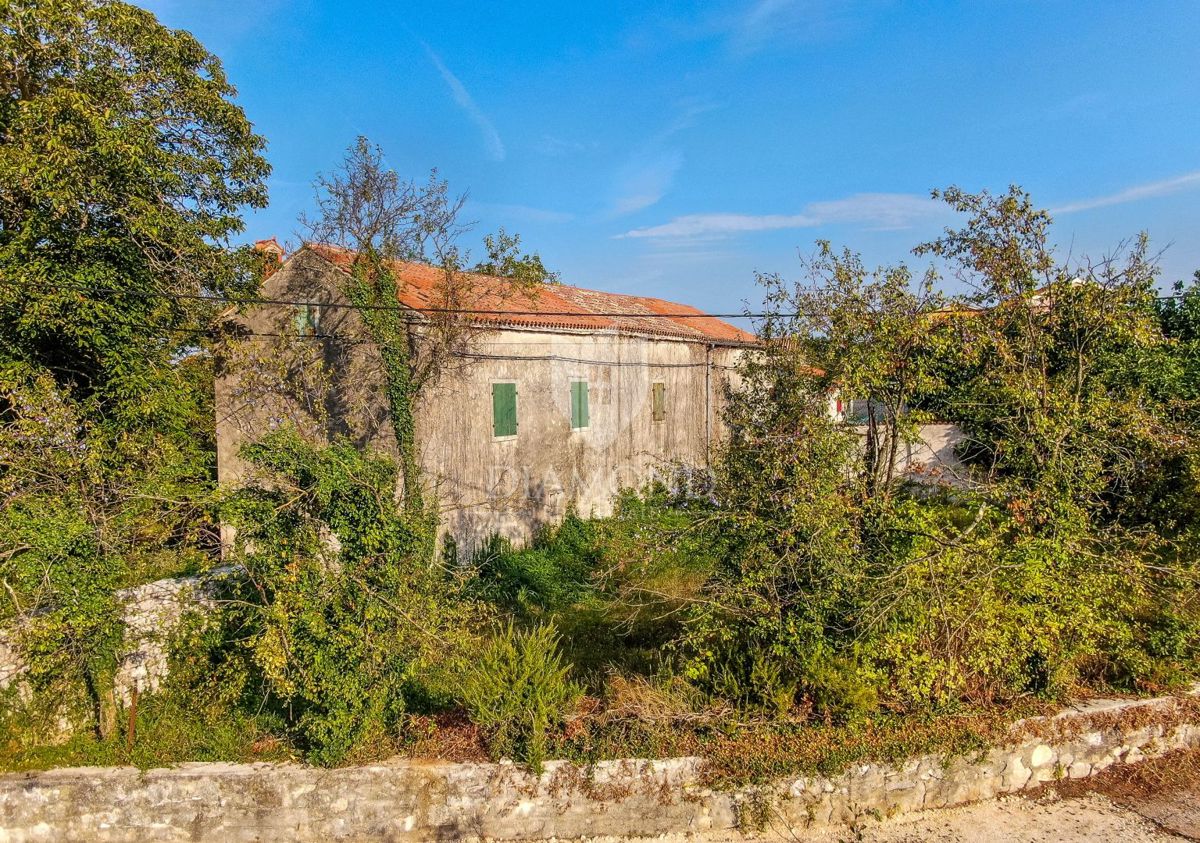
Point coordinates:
[[491, 138], [644, 181], [1133, 194], [746, 27], [524, 213], [720, 225], [553, 146], [877, 210], [647, 175], [767, 22]]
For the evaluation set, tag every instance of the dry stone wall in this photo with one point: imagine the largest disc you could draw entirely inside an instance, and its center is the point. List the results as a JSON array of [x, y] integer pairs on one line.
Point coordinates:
[[411, 800], [152, 612]]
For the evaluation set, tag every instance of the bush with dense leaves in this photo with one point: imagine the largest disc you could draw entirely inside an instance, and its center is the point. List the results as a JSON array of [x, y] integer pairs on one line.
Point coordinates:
[[342, 612], [517, 690]]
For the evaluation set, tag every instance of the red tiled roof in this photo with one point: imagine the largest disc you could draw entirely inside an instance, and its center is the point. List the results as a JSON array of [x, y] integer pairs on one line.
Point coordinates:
[[553, 305]]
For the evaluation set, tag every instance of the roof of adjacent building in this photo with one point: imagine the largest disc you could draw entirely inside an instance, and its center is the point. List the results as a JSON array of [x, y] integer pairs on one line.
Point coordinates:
[[495, 301]]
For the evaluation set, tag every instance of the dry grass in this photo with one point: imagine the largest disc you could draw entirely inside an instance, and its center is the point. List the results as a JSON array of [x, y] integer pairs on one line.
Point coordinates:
[[444, 737], [1127, 784]]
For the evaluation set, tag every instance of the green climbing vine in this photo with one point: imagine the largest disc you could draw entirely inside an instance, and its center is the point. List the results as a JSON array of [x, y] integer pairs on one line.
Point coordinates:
[[366, 209], [372, 283]]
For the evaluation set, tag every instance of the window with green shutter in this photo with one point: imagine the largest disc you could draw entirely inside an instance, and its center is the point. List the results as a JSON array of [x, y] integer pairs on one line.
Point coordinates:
[[658, 404], [308, 319], [504, 409], [579, 404]]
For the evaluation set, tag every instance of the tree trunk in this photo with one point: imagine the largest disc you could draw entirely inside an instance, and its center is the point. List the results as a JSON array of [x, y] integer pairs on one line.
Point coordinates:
[[107, 721], [893, 448], [104, 704], [874, 449]]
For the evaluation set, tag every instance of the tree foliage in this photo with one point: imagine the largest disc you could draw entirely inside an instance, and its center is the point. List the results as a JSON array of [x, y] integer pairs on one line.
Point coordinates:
[[124, 166], [341, 613], [1043, 570], [865, 337]]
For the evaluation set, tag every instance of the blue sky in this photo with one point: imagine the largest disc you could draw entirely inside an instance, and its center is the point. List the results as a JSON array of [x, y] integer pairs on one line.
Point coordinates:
[[673, 149]]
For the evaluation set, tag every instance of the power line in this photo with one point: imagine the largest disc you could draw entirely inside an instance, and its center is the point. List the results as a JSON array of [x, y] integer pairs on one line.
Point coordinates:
[[162, 294], [466, 354]]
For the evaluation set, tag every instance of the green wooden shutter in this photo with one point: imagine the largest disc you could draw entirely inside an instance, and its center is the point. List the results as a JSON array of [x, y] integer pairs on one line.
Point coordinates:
[[504, 409], [659, 402], [307, 318], [579, 404]]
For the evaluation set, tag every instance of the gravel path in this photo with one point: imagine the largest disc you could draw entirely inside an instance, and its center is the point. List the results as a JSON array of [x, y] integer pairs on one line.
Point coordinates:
[[1049, 818], [1015, 819]]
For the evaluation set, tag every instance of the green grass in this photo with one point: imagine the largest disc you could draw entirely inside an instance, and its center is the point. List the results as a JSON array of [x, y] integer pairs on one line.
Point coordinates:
[[170, 729]]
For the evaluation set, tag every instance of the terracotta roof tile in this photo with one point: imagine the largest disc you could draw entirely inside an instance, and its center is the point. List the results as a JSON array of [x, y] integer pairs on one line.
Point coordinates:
[[554, 305]]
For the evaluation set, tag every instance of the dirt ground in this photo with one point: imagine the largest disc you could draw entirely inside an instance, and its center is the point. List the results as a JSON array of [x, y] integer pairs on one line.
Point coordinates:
[[1157, 800], [1154, 801], [1014, 819]]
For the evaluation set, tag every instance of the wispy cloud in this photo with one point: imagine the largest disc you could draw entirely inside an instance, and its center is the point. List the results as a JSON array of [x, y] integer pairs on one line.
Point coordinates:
[[1133, 194], [766, 23], [751, 26], [877, 210], [491, 138], [644, 180], [523, 213], [553, 146], [646, 177]]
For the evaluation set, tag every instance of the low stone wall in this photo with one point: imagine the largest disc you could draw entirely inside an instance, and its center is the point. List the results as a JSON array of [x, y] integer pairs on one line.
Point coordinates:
[[152, 612], [410, 800]]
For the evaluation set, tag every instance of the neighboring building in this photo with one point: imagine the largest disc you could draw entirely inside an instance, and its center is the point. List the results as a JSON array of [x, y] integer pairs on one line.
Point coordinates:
[[931, 459], [562, 396]]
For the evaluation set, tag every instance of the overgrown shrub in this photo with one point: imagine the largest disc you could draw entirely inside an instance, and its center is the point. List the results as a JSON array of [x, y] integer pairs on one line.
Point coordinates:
[[341, 611], [552, 572], [1039, 571], [771, 628], [517, 690], [89, 507], [616, 588]]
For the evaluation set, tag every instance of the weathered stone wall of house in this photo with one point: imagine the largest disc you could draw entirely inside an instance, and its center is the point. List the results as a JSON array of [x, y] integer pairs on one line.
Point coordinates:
[[933, 457], [271, 377], [510, 485], [631, 799], [486, 484]]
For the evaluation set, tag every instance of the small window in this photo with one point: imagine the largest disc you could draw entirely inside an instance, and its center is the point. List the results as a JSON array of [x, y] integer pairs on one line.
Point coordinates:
[[658, 403], [504, 409], [308, 319], [579, 405]]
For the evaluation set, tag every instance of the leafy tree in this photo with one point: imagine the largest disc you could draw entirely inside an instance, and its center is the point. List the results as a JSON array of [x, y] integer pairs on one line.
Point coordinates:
[[839, 588], [768, 629], [1179, 319], [124, 167], [1050, 391], [863, 335], [1168, 487]]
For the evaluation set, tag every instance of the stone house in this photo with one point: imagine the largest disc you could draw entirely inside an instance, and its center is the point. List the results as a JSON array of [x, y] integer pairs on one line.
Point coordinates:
[[556, 397]]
